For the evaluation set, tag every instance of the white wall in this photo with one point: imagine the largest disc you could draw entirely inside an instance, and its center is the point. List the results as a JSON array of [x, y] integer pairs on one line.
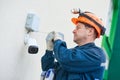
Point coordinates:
[[15, 62]]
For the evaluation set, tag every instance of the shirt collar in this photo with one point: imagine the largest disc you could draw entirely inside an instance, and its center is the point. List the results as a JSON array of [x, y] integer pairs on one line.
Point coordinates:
[[86, 45]]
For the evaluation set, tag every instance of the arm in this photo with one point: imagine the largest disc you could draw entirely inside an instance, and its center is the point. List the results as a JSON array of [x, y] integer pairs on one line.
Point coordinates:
[[76, 60], [47, 60]]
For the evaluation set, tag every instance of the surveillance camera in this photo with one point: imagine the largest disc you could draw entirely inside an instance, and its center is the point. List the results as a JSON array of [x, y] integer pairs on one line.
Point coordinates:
[[33, 49], [31, 45]]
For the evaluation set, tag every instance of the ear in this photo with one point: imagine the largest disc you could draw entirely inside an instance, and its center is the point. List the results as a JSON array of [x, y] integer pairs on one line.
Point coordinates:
[[90, 31]]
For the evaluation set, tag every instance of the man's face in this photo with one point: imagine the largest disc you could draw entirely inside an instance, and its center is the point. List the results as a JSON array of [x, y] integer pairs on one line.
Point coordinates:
[[80, 33]]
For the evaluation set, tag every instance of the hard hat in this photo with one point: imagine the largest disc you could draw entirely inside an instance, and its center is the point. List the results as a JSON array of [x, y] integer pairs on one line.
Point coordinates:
[[90, 19]]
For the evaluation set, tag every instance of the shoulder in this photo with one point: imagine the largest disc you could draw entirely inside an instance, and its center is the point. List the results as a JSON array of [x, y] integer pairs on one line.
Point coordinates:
[[91, 49]]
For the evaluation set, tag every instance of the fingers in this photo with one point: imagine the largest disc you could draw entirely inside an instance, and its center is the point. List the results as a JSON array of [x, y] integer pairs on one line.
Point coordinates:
[[58, 35], [49, 41], [50, 36]]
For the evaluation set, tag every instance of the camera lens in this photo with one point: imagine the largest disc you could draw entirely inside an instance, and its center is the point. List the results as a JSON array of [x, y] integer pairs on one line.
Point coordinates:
[[33, 49]]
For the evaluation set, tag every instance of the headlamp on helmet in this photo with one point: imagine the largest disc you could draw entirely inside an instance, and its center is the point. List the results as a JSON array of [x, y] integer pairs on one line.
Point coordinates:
[[90, 19]]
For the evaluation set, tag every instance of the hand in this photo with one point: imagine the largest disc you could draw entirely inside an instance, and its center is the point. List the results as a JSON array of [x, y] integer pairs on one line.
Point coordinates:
[[49, 41], [58, 35]]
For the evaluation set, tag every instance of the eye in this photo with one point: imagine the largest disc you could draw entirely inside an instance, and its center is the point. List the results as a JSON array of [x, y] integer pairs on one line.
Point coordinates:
[[78, 27]]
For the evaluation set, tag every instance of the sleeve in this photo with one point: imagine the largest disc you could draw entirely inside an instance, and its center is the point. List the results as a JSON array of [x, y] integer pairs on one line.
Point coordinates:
[[47, 61], [75, 60]]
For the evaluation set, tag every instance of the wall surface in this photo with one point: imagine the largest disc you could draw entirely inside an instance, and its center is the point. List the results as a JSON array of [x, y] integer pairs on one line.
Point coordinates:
[[15, 62]]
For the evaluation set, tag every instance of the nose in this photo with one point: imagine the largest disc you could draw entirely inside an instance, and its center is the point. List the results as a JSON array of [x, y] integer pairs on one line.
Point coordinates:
[[74, 31]]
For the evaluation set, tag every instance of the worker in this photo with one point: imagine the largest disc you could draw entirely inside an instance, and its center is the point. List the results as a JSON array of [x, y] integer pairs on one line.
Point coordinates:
[[86, 61]]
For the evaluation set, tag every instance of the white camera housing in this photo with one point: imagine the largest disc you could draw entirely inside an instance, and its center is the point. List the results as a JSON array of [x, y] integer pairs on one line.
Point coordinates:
[[31, 45], [32, 22]]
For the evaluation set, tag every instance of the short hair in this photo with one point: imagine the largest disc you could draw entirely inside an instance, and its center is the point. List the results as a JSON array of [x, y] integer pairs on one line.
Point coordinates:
[[89, 26]]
